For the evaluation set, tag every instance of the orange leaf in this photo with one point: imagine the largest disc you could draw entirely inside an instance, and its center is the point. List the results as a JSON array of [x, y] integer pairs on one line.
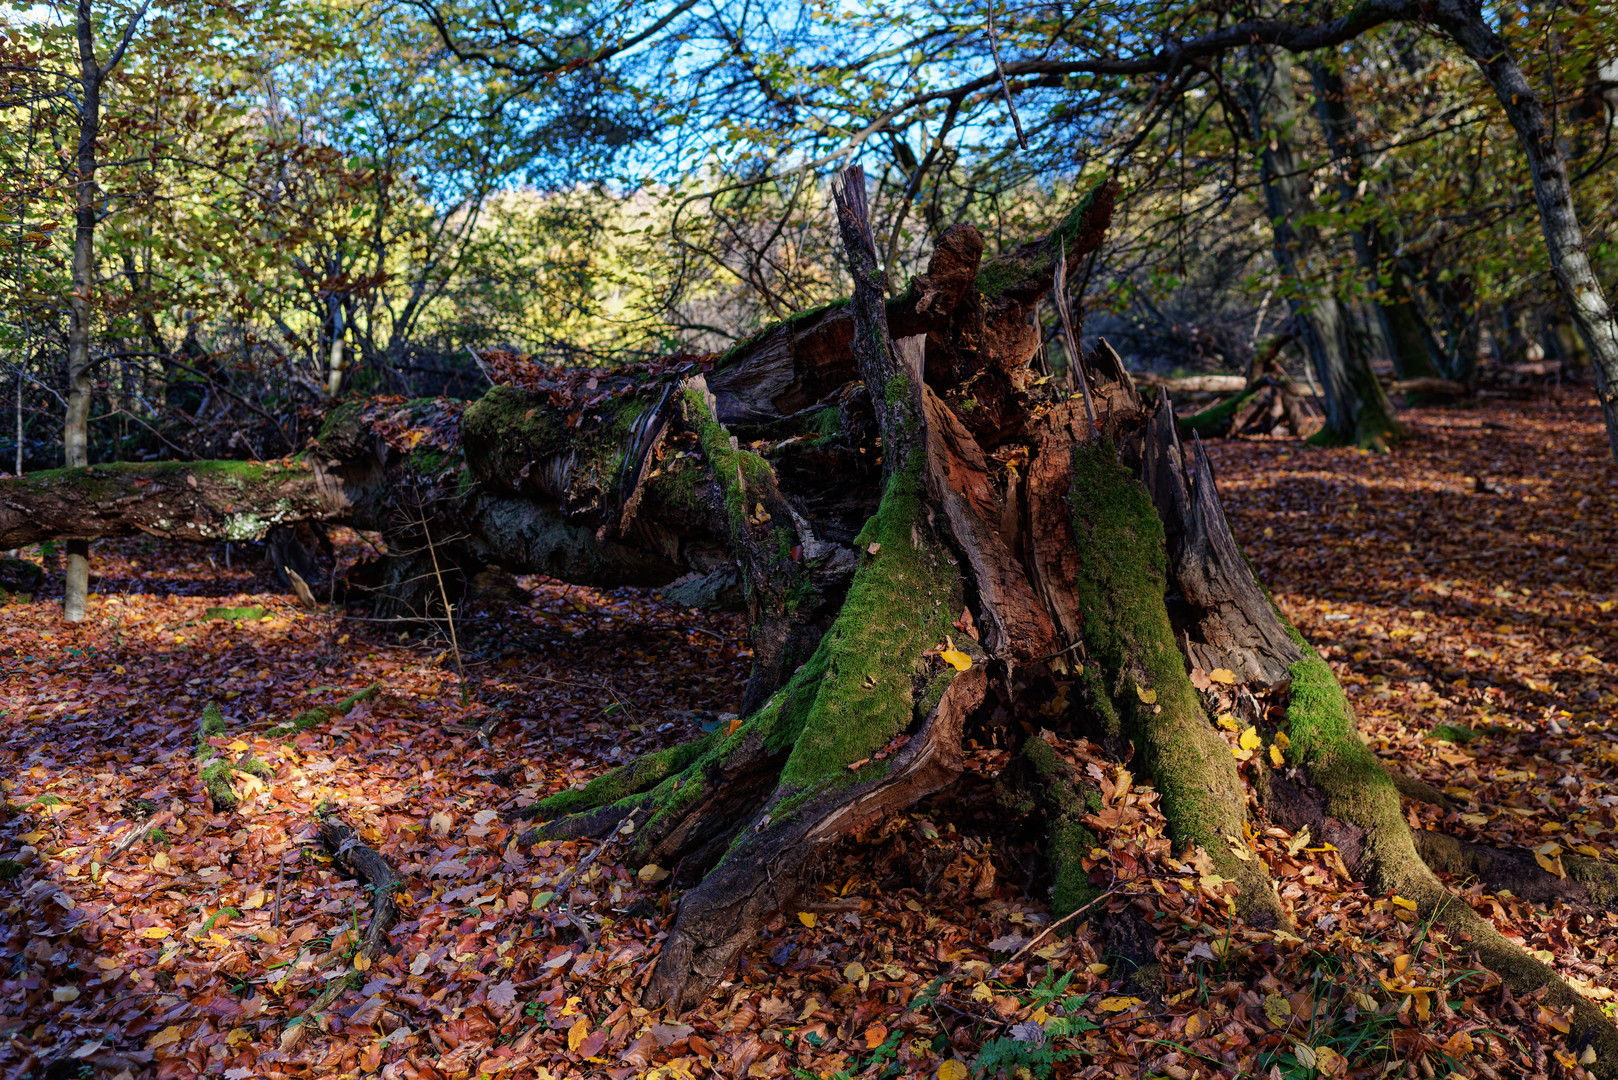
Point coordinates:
[[875, 1036]]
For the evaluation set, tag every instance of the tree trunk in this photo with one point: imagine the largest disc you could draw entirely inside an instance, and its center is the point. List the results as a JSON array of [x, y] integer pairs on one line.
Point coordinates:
[[947, 540], [1553, 192], [75, 430], [1404, 334], [1357, 411]]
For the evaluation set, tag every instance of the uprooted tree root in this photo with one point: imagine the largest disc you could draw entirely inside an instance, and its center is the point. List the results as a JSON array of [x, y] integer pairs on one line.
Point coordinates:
[[934, 544], [1106, 527]]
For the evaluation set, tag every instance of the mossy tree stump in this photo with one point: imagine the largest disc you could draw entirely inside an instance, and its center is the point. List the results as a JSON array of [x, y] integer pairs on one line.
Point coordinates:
[[931, 539]]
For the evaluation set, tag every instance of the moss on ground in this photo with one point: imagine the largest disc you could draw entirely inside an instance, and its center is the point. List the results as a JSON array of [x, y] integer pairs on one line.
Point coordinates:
[[1135, 678], [311, 717], [214, 769]]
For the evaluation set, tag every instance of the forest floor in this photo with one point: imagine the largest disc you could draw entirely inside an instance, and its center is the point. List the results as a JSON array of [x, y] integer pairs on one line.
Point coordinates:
[[1463, 588]]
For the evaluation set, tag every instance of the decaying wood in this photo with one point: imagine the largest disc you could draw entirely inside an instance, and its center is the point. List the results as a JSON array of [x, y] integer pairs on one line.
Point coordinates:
[[348, 849], [1194, 384], [1430, 386], [893, 484]]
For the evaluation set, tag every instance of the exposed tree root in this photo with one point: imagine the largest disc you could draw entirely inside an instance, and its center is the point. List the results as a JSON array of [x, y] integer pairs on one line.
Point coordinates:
[[1333, 783], [1589, 883], [371, 868], [374, 871]]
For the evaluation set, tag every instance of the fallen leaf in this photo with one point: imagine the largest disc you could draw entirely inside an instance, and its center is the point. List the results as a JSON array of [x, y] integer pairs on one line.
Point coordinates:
[[807, 918], [1222, 675]]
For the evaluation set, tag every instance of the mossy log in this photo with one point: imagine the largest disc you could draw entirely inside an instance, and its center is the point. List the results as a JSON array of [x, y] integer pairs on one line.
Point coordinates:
[[932, 539]]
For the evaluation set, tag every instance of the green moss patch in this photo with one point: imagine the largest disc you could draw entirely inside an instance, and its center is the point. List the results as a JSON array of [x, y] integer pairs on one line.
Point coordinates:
[[1135, 679], [215, 769], [308, 719], [235, 614]]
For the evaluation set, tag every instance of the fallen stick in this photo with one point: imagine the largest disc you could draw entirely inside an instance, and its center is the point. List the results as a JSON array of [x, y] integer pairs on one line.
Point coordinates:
[[134, 835], [345, 846]]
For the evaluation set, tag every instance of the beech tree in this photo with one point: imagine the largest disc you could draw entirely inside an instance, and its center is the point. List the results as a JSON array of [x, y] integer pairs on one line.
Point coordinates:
[[935, 542]]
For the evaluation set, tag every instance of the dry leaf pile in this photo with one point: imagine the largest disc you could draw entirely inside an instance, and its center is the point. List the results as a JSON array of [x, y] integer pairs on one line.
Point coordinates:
[[1462, 588]]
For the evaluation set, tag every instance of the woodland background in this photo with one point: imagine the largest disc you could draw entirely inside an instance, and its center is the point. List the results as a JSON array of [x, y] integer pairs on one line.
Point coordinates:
[[298, 200]]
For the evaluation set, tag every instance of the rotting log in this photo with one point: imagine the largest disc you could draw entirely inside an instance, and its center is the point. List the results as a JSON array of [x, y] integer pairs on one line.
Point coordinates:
[[934, 543]]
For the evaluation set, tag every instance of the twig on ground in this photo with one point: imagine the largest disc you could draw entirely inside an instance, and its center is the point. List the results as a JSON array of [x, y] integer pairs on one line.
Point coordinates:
[[134, 835]]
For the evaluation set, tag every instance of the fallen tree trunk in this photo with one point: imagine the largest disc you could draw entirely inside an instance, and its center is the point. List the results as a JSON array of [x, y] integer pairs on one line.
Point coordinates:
[[1193, 384], [934, 542]]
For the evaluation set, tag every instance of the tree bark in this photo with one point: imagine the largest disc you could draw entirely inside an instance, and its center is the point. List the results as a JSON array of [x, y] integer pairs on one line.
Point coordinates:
[[1581, 290], [1357, 410], [75, 429], [952, 538], [1404, 333]]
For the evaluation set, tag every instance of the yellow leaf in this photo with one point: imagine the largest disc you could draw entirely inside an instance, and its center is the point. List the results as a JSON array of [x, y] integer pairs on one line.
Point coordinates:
[[1282, 741], [1458, 1045], [1326, 1060], [1552, 864], [981, 992], [237, 745], [1278, 1009], [1399, 901], [577, 1034], [956, 659], [1276, 758], [1148, 696], [651, 873], [807, 918], [1586, 849], [170, 1034], [65, 993], [237, 1036], [1222, 675], [1228, 722], [361, 962], [854, 972], [875, 1036], [160, 861], [952, 1070], [1118, 1004], [255, 900], [1250, 739], [155, 933], [1553, 1019], [1401, 963]]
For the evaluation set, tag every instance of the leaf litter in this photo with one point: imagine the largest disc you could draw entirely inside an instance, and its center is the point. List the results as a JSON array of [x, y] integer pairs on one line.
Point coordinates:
[[1472, 624]]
